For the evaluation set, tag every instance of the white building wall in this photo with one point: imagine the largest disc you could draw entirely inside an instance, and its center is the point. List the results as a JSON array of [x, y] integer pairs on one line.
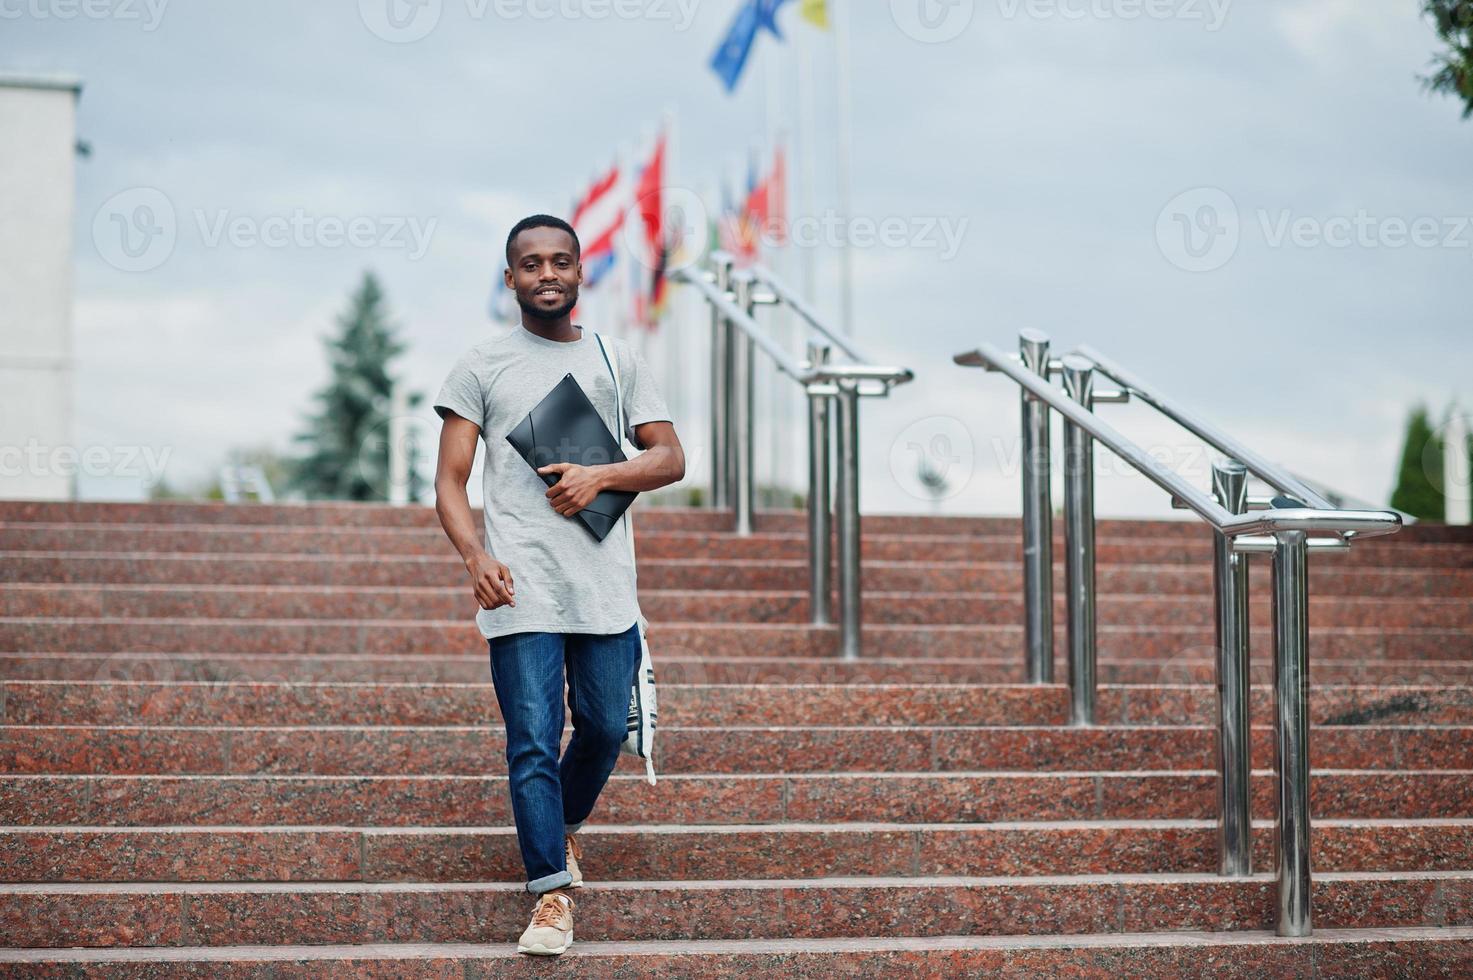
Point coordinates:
[[37, 195]]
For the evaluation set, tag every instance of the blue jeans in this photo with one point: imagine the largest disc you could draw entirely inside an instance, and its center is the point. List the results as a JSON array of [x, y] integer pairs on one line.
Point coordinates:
[[551, 797]]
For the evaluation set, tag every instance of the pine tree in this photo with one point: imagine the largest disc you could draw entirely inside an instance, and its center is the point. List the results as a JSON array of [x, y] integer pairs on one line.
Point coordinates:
[[347, 456], [1453, 74], [1419, 480]]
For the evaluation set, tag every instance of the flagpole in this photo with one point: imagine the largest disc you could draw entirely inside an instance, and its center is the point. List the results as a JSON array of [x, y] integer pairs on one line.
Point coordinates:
[[807, 125], [777, 415], [674, 346], [845, 143], [638, 265], [617, 298]]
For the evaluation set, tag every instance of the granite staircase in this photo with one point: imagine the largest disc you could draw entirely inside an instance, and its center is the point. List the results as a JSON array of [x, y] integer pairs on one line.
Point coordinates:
[[256, 740]]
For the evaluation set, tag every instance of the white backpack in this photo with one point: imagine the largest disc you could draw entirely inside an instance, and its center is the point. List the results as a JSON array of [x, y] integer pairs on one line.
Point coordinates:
[[640, 741]]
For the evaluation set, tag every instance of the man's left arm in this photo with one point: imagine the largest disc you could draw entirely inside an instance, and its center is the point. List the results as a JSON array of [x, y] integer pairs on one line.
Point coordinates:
[[661, 464]]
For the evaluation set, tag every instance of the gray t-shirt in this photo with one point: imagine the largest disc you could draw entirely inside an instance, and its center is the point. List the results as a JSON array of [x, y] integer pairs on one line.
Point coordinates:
[[565, 580]]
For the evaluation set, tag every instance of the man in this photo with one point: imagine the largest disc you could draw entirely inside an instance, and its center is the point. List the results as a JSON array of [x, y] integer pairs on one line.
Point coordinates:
[[550, 594]]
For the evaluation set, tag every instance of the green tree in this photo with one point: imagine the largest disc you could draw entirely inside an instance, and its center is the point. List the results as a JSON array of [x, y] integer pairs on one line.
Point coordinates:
[[1453, 68], [347, 454], [1419, 480]]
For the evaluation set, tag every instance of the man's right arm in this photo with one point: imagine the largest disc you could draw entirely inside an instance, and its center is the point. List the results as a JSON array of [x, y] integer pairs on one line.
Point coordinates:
[[490, 579]]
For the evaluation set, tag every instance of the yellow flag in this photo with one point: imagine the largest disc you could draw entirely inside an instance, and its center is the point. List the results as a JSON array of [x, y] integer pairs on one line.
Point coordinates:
[[816, 12]]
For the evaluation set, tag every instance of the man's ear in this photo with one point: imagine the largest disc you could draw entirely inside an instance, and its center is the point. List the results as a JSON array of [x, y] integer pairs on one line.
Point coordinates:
[[506, 278]]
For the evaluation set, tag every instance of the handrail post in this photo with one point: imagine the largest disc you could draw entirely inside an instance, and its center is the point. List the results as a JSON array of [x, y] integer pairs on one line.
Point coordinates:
[[1079, 544], [1230, 597], [720, 399], [1291, 731], [741, 399], [847, 401], [820, 528], [1038, 533]]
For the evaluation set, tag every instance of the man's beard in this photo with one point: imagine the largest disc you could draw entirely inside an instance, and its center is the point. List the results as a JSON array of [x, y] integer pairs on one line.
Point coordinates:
[[543, 313]]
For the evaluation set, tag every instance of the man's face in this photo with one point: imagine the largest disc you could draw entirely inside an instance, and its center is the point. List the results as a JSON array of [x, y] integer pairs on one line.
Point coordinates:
[[545, 274]]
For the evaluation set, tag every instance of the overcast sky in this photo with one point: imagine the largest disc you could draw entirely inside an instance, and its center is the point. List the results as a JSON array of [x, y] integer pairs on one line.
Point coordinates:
[[1255, 205]]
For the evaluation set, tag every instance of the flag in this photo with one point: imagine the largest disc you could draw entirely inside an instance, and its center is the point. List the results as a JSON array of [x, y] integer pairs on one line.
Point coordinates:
[[816, 12], [734, 228], [730, 58], [777, 197], [765, 210], [651, 286], [767, 15], [597, 218]]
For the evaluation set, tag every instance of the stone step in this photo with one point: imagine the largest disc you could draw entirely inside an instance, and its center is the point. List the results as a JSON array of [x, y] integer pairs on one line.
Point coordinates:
[[1130, 546], [83, 634], [365, 750], [348, 513], [218, 914], [673, 669], [695, 853], [705, 705], [1434, 953], [959, 797], [134, 568], [412, 603]]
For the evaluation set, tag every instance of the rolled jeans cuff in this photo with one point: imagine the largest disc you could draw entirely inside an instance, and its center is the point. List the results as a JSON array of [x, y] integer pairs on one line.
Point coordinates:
[[572, 828], [558, 879]]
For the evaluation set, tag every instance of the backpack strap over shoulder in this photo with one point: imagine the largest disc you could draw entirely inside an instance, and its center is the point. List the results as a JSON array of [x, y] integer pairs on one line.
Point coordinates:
[[618, 395]]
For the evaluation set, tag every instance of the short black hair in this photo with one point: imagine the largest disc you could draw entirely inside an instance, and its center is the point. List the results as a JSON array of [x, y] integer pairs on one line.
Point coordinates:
[[541, 221]]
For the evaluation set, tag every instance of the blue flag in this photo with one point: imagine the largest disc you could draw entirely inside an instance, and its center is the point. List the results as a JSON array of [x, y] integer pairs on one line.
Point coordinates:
[[767, 15], [730, 58]]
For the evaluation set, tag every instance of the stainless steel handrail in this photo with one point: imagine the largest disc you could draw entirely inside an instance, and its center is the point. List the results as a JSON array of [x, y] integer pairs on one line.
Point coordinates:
[[1364, 523], [1283, 530], [1258, 465], [803, 372], [733, 295], [795, 303], [725, 303]]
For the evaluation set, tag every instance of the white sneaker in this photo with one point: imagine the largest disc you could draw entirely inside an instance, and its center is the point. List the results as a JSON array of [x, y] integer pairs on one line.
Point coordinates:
[[573, 852], [551, 929]]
